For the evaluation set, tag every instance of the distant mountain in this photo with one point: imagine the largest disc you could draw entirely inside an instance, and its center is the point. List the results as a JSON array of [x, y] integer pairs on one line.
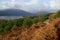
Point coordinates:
[[15, 12], [40, 13]]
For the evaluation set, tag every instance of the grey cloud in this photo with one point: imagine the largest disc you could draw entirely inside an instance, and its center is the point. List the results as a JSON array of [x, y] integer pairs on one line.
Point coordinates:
[[31, 5]]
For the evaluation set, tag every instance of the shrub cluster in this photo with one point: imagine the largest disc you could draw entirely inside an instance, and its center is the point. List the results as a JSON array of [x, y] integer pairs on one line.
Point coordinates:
[[43, 18], [57, 15], [10, 25]]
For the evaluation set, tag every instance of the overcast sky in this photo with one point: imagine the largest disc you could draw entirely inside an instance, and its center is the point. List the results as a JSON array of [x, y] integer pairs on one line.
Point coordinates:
[[30, 5]]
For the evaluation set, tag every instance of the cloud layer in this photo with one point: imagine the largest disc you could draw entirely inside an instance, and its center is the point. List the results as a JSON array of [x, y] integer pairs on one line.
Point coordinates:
[[30, 5]]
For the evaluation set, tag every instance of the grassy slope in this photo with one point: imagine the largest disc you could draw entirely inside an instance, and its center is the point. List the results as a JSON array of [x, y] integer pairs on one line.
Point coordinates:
[[39, 32], [47, 32]]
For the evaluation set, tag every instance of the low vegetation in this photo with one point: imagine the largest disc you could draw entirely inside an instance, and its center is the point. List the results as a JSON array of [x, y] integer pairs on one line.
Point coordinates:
[[57, 15], [43, 18], [10, 25], [32, 24]]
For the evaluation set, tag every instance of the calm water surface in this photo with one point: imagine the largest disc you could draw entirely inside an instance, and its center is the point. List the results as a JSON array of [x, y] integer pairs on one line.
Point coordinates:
[[10, 17]]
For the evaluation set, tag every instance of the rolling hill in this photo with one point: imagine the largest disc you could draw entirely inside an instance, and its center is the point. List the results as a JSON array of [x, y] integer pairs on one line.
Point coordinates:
[[15, 12]]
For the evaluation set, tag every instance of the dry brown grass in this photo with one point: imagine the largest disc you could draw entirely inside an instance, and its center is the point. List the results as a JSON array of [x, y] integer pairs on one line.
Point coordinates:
[[47, 32]]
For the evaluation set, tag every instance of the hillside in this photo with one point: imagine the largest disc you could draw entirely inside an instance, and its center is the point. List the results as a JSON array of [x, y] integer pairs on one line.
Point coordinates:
[[15, 12], [31, 28], [47, 32]]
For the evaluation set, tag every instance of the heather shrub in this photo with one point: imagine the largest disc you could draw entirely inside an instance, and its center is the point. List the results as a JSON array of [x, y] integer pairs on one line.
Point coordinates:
[[35, 20], [1, 30], [27, 22], [43, 18], [14, 27], [57, 15], [19, 22]]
